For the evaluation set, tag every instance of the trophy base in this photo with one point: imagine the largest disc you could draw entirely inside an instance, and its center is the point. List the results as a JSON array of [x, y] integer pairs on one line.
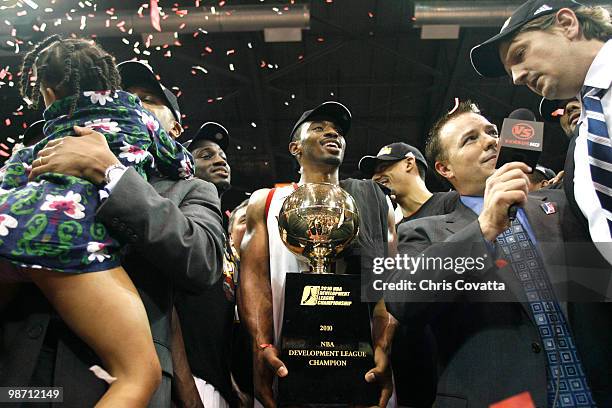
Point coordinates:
[[326, 343]]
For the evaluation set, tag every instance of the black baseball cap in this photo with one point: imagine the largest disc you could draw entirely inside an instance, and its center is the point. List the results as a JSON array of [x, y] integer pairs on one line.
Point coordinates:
[[548, 173], [138, 73], [335, 111], [485, 57], [212, 131], [34, 133], [392, 152], [552, 110]]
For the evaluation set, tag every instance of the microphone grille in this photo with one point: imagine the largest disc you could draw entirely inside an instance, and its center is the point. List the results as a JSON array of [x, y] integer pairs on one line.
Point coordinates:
[[522, 114]]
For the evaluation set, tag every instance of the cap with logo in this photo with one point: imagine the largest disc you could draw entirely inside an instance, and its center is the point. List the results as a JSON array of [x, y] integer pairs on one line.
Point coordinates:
[[485, 57], [548, 173], [392, 152], [134, 73], [213, 131], [335, 111]]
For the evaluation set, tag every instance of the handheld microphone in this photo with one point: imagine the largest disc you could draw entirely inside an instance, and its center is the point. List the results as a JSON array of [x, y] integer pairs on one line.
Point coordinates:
[[521, 140]]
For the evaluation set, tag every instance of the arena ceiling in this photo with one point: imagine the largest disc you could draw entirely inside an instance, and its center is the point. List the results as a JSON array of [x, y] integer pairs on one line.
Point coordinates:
[[367, 54]]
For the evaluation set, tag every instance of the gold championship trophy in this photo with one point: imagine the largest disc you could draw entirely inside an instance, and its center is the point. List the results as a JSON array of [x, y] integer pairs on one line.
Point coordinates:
[[326, 336]]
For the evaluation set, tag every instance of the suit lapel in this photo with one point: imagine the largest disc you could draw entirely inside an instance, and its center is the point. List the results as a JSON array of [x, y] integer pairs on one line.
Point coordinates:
[[460, 218]]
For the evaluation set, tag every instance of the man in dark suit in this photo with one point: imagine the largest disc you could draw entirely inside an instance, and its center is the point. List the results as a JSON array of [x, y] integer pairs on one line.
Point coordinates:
[[534, 47], [174, 240], [521, 335]]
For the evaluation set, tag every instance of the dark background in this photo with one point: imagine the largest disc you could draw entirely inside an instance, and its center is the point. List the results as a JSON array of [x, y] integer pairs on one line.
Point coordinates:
[[367, 54]]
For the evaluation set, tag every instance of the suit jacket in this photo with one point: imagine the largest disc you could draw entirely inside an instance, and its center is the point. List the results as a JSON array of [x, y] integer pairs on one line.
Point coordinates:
[[568, 181], [174, 240], [488, 351]]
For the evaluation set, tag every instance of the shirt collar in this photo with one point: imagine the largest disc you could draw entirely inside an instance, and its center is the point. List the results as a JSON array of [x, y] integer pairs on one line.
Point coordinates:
[[600, 71], [474, 203]]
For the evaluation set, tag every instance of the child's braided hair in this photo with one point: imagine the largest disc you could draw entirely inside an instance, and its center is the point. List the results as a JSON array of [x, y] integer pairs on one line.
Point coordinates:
[[68, 66]]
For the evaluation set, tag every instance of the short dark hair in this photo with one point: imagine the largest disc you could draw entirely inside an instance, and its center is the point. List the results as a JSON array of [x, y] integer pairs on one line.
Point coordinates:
[[433, 146], [68, 66], [537, 177], [422, 169], [232, 216]]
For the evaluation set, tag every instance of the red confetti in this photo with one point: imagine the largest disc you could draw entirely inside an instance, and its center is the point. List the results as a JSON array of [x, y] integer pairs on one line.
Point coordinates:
[[208, 49], [7, 122], [501, 263], [3, 153], [211, 100], [154, 7], [228, 213], [222, 3], [320, 39], [370, 14], [5, 147]]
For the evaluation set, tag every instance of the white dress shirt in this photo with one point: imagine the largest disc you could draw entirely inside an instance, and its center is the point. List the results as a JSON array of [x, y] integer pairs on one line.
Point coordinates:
[[598, 76]]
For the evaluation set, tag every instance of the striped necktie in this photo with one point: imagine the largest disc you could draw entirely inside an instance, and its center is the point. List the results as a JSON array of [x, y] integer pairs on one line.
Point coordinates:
[[600, 149]]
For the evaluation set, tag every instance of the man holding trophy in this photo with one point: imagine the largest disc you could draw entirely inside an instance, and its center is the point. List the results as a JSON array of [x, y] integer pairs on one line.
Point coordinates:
[[304, 233]]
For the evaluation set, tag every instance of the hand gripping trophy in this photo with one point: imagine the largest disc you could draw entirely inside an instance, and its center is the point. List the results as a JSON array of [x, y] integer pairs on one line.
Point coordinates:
[[326, 339]]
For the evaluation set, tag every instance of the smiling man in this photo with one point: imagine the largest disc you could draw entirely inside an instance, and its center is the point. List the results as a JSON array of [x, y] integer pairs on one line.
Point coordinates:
[[561, 49], [208, 149], [566, 112], [493, 346], [401, 168], [318, 143]]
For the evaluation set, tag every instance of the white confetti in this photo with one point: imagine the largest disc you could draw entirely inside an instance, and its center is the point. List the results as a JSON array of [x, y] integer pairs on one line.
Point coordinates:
[[31, 4], [83, 22], [253, 124], [199, 68]]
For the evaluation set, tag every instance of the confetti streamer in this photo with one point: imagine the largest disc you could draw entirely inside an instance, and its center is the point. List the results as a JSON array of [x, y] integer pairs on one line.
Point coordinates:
[[30, 3], [155, 15]]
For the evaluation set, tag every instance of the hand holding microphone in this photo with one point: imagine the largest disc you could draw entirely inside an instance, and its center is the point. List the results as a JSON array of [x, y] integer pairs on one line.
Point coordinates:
[[505, 188], [521, 140]]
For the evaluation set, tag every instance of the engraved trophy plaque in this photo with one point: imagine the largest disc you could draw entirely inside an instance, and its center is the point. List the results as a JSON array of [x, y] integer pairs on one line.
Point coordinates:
[[326, 337]]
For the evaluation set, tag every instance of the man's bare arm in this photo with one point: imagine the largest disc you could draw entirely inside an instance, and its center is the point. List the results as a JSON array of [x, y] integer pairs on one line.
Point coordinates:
[[254, 291], [383, 329], [255, 299]]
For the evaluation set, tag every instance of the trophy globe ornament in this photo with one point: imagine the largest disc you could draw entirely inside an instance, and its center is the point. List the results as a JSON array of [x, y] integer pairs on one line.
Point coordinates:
[[317, 222]]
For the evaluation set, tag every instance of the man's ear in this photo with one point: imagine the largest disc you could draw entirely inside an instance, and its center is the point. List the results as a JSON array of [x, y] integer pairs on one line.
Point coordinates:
[[176, 130], [444, 170], [410, 164], [295, 148], [567, 21]]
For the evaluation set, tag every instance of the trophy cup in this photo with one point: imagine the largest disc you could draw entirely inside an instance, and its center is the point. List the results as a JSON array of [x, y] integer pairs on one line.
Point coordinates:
[[326, 337]]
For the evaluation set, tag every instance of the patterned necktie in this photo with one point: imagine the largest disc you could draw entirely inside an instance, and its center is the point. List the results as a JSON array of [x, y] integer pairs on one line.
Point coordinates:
[[564, 364], [600, 149]]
